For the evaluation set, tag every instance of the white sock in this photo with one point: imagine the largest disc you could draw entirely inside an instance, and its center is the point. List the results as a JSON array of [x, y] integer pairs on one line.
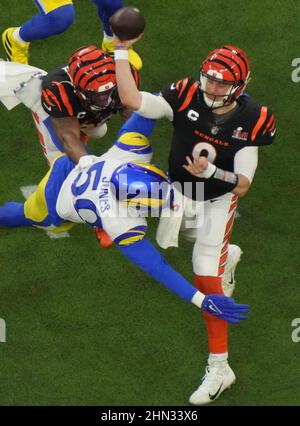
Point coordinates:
[[218, 358], [17, 37]]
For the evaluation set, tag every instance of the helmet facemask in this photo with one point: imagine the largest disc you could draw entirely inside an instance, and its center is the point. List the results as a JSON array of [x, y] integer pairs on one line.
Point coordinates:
[[98, 101], [92, 71], [213, 100]]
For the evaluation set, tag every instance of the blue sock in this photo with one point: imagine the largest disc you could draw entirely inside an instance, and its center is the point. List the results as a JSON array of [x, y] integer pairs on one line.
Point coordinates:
[[106, 8], [12, 215], [44, 25]]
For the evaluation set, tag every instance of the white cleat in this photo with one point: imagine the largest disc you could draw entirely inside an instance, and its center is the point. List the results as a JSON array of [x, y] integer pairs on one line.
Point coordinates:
[[216, 380], [228, 281]]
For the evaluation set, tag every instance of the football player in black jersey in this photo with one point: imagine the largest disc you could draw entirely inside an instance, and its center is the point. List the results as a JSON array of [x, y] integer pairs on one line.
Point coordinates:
[[217, 132], [77, 102]]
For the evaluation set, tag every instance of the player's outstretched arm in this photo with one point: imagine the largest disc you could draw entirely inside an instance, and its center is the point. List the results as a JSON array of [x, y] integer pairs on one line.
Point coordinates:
[[224, 308], [145, 255], [145, 103], [128, 92]]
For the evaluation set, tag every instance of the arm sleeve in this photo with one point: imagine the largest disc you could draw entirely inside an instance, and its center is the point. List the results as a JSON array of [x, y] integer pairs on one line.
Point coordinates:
[[155, 107], [179, 94], [145, 255], [245, 161]]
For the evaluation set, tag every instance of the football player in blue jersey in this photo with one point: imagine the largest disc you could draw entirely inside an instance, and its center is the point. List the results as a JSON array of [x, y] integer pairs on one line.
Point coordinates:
[[114, 192], [55, 17]]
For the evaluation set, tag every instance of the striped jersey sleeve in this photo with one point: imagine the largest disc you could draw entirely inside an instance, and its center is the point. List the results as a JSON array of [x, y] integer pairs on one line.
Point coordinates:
[[264, 127], [180, 93], [58, 99]]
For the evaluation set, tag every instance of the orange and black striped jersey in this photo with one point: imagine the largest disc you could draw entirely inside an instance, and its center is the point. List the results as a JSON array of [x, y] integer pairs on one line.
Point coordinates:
[[198, 131], [59, 99]]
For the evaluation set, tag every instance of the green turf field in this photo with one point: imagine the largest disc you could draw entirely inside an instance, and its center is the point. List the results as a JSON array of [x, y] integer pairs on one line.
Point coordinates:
[[86, 327]]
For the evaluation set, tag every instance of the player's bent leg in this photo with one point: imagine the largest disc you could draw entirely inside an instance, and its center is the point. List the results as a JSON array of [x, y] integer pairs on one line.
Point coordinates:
[[228, 279], [54, 18], [12, 215], [209, 259], [16, 50], [40, 207], [39, 210], [46, 6], [44, 25], [106, 8], [218, 374], [216, 328]]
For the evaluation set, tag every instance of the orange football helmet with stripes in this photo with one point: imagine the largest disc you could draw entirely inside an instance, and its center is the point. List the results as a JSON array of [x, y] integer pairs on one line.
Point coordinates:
[[229, 66], [94, 77]]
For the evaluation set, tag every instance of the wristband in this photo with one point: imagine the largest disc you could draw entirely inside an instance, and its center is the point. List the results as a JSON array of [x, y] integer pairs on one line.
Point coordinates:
[[214, 172], [197, 299], [121, 54], [208, 172], [225, 176]]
